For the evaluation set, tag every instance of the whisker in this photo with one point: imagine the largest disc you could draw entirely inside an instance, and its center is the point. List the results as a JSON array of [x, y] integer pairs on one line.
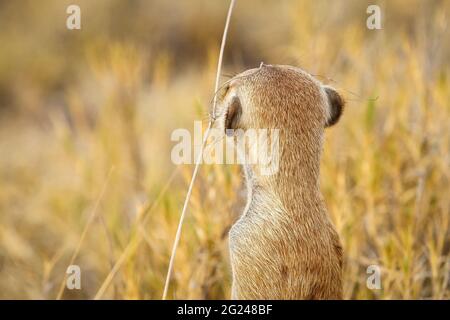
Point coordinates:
[[360, 98]]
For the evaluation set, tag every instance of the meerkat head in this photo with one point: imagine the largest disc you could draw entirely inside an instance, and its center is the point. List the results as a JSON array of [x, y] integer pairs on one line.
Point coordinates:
[[283, 100], [274, 96]]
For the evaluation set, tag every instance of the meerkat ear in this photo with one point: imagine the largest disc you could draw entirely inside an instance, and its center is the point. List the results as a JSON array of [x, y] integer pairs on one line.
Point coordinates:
[[335, 104]]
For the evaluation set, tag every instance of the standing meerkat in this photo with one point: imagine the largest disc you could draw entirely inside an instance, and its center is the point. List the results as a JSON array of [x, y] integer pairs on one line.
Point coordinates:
[[284, 245]]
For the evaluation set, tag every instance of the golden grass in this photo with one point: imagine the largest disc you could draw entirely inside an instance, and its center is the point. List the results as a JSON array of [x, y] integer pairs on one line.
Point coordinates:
[[111, 97]]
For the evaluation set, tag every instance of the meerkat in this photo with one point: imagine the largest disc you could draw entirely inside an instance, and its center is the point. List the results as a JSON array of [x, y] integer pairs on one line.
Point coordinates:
[[284, 245]]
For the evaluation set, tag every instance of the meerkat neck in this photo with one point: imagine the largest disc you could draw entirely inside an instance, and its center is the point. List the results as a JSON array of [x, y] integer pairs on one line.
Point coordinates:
[[294, 188]]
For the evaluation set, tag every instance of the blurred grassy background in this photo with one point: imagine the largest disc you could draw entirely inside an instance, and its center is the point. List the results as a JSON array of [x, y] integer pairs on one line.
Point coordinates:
[[86, 117]]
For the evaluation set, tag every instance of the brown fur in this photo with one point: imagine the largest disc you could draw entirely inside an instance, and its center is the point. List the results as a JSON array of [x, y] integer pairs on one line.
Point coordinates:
[[284, 245]]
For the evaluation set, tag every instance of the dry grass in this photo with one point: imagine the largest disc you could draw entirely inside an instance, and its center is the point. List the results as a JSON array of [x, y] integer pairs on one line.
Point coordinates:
[[74, 105]]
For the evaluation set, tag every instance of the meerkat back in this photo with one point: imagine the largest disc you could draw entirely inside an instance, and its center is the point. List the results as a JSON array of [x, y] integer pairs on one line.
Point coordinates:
[[284, 245]]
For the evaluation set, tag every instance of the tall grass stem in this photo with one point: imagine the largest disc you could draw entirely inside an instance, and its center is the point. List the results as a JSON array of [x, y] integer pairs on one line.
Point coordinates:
[[197, 163]]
